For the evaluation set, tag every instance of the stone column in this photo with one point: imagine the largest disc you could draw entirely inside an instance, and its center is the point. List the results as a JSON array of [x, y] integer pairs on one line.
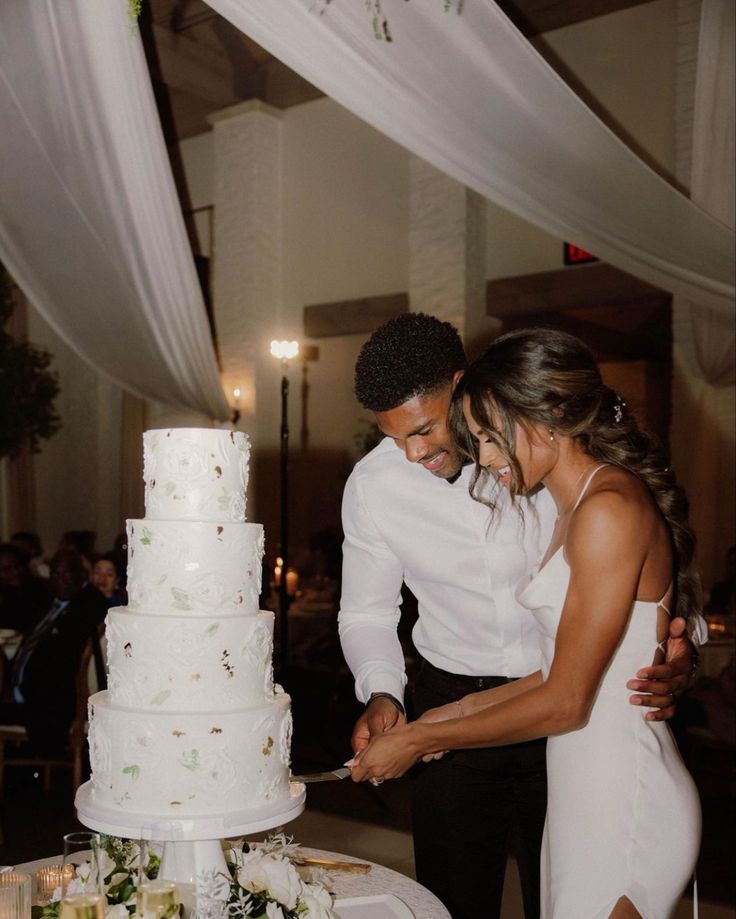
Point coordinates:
[[446, 248], [247, 280], [246, 251]]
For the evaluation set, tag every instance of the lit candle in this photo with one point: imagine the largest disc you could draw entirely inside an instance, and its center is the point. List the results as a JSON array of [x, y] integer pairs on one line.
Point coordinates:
[[292, 581], [236, 397]]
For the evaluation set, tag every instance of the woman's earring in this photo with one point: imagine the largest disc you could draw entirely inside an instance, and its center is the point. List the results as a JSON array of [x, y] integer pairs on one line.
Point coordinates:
[[551, 434]]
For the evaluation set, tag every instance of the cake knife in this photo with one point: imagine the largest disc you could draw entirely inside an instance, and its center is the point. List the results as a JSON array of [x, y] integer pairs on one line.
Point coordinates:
[[341, 773]]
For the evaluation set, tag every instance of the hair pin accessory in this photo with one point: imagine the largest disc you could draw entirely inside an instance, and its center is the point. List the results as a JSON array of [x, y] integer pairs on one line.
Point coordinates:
[[618, 409]]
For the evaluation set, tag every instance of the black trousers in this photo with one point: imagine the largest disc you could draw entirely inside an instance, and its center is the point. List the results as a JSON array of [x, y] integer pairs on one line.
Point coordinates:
[[472, 807]]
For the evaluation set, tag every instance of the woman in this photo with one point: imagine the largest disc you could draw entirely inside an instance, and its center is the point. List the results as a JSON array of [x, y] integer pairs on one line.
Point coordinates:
[[106, 578], [623, 820]]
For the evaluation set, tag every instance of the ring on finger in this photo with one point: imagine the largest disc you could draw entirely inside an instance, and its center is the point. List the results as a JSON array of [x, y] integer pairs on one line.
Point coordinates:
[[376, 781]]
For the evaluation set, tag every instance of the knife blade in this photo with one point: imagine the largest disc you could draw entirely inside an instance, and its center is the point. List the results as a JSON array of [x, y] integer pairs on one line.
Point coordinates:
[[341, 773]]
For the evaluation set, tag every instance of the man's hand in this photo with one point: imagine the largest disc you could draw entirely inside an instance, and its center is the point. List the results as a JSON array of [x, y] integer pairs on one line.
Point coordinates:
[[661, 682], [380, 716]]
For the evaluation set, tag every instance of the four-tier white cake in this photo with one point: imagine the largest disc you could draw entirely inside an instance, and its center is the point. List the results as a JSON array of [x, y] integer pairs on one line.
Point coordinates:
[[191, 724]]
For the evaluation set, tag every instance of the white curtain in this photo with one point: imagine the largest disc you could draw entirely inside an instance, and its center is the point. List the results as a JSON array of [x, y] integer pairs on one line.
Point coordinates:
[[714, 334], [469, 94], [713, 168], [90, 224]]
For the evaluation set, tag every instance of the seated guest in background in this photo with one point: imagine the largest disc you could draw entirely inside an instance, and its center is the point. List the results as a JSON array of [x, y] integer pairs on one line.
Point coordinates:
[[41, 690], [120, 553], [83, 542], [23, 598], [30, 543], [106, 578]]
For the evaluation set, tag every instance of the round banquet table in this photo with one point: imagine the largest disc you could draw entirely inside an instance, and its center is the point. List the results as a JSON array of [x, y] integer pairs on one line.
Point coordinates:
[[346, 884]]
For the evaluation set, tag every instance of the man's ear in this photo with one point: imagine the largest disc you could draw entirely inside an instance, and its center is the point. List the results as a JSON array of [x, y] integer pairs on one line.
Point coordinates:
[[456, 377]]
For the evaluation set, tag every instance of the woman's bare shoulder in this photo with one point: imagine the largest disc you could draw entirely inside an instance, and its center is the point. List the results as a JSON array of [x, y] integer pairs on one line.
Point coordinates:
[[617, 507]]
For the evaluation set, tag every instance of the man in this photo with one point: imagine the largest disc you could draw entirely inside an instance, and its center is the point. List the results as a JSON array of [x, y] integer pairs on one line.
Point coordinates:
[[414, 522], [42, 684], [23, 598]]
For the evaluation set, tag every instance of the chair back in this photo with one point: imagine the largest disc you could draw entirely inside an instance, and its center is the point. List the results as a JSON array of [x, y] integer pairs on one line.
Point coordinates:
[[77, 730]]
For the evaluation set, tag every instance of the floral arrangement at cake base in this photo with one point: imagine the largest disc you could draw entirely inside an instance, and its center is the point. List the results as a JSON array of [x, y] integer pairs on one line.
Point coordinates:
[[265, 881]]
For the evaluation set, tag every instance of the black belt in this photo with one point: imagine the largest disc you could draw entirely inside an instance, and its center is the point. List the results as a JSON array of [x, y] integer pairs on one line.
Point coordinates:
[[464, 680]]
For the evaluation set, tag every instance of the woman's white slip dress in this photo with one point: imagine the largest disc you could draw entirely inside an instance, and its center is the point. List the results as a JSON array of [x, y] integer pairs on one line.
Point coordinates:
[[623, 815]]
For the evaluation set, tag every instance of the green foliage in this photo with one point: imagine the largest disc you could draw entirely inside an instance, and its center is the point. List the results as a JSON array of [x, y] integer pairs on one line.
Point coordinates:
[[134, 9], [27, 388]]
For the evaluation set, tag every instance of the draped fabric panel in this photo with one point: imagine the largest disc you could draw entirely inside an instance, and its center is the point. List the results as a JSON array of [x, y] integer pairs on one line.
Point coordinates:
[[714, 335], [713, 172], [469, 94], [90, 224]]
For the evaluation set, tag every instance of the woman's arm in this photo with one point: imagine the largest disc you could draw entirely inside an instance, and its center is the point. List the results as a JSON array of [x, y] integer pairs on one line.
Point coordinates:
[[477, 701], [606, 545]]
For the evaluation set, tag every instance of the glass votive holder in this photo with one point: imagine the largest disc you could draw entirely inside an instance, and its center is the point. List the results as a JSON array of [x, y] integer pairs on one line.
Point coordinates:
[[49, 880], [15, 895]]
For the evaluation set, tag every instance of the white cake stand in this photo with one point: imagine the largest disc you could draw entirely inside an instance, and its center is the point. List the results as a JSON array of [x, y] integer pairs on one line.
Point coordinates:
[[192, 844]]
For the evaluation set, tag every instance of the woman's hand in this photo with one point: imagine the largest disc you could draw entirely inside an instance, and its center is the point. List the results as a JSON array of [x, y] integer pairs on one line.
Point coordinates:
[[387, 756]]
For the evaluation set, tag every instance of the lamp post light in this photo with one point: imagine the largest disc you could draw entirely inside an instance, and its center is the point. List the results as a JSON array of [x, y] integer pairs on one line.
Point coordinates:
[[284, 351]]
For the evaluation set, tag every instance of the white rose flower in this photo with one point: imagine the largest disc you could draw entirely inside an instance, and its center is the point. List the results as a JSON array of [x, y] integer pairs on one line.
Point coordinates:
[[76, 885], [317, 901], [119, 911], [106, 864], [274, 911], [271, 873]]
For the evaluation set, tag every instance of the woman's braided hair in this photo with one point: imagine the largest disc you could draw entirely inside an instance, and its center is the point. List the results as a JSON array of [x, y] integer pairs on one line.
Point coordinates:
[[549, 377]]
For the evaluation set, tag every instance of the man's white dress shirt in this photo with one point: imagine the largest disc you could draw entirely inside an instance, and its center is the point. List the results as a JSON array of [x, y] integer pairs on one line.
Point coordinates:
[[463, 563]]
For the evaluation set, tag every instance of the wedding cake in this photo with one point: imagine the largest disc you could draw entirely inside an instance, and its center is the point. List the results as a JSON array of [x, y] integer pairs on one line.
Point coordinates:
[[191, 724]]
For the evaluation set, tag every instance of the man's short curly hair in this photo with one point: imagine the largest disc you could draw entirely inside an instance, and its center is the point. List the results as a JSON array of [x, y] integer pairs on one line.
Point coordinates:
[[409, 356]]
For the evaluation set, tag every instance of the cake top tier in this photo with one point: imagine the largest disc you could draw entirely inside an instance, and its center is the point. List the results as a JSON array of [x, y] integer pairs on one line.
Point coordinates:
[[195, 474]]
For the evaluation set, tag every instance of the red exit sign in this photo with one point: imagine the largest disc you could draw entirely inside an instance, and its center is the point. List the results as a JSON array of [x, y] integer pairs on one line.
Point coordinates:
[[574, 255]]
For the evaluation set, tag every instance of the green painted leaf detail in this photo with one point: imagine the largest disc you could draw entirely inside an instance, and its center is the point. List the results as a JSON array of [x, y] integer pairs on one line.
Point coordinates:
[[132, 771], [161, 697], [212, 629], [181, 598], [190, 760]]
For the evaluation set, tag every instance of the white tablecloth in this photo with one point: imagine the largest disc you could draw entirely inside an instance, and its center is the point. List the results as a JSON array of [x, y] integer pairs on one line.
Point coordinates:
[[379, 880]]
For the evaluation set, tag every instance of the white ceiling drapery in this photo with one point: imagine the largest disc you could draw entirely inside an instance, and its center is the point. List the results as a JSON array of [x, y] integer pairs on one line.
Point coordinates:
[[469, 94], [90, 224]]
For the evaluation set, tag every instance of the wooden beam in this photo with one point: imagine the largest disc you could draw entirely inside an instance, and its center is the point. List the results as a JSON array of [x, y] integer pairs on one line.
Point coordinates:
[[568, 288], [191, 68], [532, 17], [605, 341], [350, 317]]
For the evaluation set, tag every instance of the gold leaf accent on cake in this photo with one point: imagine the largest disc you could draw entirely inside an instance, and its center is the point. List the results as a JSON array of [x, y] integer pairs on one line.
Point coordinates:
[[128, 649], [179, 733], [216, 731], [218, 471], [266, 751], [196, 676]]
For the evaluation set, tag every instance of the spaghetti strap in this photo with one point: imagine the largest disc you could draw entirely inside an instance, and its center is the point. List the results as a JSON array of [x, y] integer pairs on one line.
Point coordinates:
[[664, 597], [585, 487]]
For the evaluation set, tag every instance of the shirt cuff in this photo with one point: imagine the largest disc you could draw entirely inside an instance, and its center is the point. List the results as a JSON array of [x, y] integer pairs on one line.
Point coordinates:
[[383, 681]]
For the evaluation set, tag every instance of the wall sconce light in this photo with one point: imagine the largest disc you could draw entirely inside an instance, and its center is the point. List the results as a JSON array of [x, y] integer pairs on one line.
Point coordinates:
[[236, 405], [285, 350]]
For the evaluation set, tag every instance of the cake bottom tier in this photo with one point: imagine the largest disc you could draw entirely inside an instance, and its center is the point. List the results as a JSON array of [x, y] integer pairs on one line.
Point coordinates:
[[186, 764]]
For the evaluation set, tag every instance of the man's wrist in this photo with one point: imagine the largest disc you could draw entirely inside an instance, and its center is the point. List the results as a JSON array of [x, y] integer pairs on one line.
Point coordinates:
[[386, 695]]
